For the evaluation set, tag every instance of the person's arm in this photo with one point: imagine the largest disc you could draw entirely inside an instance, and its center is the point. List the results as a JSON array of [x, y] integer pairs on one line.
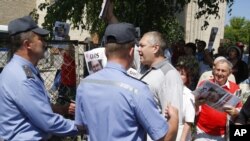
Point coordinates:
[[79, 112], [171, 114], [64, 109], [148, 116], [185, 131], [189, 115], [110, 17], [34, 102], [232, 111]]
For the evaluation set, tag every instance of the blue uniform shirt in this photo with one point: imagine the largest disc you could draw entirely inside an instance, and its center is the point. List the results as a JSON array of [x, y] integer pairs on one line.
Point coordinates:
[[25, 111], [115, 106]]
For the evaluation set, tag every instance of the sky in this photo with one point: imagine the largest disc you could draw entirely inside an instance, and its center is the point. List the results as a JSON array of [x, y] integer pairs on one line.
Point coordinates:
[[241, 8]]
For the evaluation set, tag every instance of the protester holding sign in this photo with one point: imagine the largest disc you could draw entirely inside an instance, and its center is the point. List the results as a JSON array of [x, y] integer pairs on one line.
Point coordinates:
[[208, 127]]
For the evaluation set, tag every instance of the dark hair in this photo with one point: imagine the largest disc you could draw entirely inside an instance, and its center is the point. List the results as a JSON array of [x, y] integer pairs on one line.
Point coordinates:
[[234, 48], [192, 46], [191, 66], [202, 43]]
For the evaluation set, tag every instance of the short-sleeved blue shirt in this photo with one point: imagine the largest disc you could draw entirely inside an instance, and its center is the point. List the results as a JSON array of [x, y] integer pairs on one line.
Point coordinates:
[[25, 111], [115, 106]]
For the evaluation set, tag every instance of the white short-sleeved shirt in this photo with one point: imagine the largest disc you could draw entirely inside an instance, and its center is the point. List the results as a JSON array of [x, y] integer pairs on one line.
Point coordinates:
[[188, 112]]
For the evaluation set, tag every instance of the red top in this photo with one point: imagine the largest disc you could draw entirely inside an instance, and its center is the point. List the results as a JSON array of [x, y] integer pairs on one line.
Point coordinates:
[[68, 70], [211, 121]]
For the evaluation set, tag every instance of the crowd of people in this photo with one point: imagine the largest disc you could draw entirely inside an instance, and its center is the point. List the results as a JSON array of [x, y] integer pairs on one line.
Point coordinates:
[[112, 105]]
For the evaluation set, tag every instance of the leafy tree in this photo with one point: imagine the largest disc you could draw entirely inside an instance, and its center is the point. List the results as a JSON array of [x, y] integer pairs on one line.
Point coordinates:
[[147, 14], [238, 30]]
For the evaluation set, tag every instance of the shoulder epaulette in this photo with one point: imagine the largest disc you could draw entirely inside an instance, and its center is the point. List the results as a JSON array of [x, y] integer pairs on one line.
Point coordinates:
[[28, 71]]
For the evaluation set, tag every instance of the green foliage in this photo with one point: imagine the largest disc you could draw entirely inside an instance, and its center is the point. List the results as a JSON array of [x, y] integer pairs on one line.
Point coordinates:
[[147, 14], [238, 30], [150, 15], [34, 15], [208, 8]]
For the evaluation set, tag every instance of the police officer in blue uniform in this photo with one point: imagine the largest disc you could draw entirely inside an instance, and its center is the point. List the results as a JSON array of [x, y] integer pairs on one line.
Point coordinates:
[[25, 110], [114, 106]]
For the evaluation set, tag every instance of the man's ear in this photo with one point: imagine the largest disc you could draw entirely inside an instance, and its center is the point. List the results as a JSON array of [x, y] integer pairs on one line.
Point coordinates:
[[156, 48], [131, 51], [26, 44]]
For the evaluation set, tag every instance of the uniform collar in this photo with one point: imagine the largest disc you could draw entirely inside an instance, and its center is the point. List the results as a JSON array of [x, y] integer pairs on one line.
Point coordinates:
[[160, 64], [24, 61], [116, 66]]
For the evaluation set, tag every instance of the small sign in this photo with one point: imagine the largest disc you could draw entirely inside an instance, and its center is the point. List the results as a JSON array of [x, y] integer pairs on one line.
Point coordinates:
[[213, 34]]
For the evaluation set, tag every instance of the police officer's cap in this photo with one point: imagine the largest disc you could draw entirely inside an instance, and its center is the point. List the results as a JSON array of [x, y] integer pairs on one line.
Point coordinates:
[[120, 33], [25, 24]]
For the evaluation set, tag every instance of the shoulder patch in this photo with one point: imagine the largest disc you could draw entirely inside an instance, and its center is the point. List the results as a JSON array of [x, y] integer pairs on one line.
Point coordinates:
[[28, 71]]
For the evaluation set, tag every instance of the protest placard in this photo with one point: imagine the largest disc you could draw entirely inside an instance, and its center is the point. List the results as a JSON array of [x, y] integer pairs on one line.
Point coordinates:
[[213, 34], [61, 32], [95, 59], [215, 96]]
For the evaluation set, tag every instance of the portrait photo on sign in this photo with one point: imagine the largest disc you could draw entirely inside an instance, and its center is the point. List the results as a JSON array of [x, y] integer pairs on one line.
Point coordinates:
[[95, 65], [215, 96], [61, 30], [95, 59]]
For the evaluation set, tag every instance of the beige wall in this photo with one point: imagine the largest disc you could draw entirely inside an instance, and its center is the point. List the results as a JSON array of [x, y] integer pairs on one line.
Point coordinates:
[[11, 9], [74, 34], [192, 26]]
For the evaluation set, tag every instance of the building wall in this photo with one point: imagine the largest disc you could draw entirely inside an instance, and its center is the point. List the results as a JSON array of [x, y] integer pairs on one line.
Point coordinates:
[[193, 26], [11, 9], [73, 33]]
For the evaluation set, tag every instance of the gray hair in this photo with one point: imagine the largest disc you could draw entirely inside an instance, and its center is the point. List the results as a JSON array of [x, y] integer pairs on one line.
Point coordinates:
[[219, 58], [156, 38], [229, 64]]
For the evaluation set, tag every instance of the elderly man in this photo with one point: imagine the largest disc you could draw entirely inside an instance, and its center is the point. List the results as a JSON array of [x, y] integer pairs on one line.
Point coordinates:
[[26, 112], [115, 106], [211, 128], [209, 74]]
